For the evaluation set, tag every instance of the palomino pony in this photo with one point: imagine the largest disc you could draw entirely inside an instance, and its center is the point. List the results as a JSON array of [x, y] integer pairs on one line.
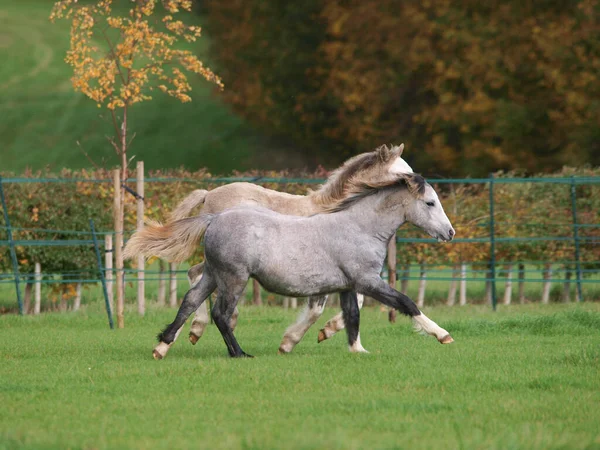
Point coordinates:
[[300, 256], [381, 166]]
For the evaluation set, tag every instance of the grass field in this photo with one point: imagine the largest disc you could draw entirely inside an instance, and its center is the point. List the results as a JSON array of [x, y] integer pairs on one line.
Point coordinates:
[[524, 377], [43, 119]]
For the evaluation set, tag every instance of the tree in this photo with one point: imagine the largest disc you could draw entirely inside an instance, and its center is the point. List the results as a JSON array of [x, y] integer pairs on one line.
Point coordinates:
[[119, 60]]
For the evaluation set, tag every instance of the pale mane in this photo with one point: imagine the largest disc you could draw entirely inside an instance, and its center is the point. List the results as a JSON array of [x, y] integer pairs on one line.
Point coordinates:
[[349, 179]]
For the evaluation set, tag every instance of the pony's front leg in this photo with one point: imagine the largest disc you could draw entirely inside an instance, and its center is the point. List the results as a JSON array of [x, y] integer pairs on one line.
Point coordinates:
[[192, 300], [305, 320], [336, 323], [351, 313], [379, 290]]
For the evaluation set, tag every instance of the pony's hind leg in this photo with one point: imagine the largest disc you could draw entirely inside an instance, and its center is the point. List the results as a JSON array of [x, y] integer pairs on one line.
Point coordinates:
[[305, 320], [201, 318], [192, 300], [351, 313], [222, 313], [336, 323]]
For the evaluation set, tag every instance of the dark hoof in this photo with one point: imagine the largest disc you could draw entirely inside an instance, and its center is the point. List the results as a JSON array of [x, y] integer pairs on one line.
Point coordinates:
[[282, 351], [194, 338], [446, 339], [242, 355], [321, 336]]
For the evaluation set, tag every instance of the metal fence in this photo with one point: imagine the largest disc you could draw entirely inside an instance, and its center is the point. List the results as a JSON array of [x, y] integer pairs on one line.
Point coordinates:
[[490, 266]]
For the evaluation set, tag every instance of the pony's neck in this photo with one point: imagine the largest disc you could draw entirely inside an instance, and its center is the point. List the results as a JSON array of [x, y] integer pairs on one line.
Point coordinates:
[[379, 214]]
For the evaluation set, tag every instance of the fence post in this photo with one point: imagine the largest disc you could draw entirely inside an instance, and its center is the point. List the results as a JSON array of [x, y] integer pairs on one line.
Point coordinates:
[[172, 285], [140, 224], [576, 239], [118, 248], [108, 266], [102, 279], [11, 244], [38, 289], [492, 243]]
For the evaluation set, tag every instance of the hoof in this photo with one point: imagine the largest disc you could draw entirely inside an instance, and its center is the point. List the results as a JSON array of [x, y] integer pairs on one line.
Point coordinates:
[[446, 339], [157, 356], [194, 338], [282, 351], [321, 336]]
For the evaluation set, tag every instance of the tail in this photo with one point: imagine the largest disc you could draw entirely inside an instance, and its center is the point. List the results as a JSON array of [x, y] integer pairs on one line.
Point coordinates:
[[174, 242], [183, 210]]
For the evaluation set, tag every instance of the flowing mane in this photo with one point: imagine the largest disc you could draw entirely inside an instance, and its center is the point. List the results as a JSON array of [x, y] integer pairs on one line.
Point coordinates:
[[415, 184], [350, 179]]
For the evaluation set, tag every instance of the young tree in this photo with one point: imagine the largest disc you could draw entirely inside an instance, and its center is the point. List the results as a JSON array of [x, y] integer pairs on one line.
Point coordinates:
[[119, 61]]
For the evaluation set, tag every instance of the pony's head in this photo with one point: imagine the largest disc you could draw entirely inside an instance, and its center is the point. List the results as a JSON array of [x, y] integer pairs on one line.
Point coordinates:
[[424, 209]]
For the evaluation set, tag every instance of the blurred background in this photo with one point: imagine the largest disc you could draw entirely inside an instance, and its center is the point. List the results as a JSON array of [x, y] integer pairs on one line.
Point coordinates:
[[470, 87]]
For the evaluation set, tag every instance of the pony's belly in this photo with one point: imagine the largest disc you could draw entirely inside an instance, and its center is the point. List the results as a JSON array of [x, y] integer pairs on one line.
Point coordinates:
[[300, 284]]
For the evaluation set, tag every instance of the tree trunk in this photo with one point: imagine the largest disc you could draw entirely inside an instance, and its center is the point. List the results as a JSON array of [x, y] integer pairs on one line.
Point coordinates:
[[294, 303], [521, 283], [119, 272], [162, 284], [566, 294], [141, 261], [463, 284], [256, 298], [508, 288], [77, 302], [422, 286], [286, 303], [452, 289], [547, 284]]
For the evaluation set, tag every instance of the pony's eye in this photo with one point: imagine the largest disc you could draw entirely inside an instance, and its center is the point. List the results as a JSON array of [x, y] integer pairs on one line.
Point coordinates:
[[430, 203]]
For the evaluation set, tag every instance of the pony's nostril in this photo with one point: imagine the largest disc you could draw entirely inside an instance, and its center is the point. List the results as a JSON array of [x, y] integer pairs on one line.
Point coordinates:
[[451, 233]]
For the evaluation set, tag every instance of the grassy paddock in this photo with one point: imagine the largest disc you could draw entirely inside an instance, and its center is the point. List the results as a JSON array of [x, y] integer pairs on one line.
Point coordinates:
[[524, 377]]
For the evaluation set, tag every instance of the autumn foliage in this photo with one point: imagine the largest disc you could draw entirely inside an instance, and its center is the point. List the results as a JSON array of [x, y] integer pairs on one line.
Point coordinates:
[[476, 86]]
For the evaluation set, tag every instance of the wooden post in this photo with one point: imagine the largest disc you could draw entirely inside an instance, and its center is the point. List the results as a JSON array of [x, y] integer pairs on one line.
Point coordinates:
[[38, 289], [162, 284], [108, 266], [119, 274], [294, 303], [286, 303], [521, 283], [463, 284], [508, 289], [405, 280], [77, 303], [452, 288], [422, 285], [140, 224], [256, 298], [547, 284], [172, 285], [391, 263], [566, 294]]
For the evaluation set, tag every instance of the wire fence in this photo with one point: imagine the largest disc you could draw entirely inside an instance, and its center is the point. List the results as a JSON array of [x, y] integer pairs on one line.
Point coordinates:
[[570, 256]]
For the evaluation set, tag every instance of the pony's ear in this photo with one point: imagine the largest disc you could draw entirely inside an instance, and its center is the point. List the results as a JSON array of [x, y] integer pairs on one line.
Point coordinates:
[[398, 149], [383, 153], [415, 183]]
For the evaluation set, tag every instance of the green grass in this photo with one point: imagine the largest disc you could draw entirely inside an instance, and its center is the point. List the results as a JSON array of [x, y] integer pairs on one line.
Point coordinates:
[[43, 119], [524, 377]]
